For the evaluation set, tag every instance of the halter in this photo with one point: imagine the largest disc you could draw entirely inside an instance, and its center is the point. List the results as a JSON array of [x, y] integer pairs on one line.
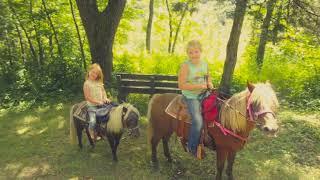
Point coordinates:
[[253, 116], [124, 123]]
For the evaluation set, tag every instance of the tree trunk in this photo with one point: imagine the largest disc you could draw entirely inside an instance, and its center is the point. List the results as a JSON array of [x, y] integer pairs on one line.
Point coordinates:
[[53, 29], [170, 26], [23, 54], [149, 26], [79, 36], [264, 33], [51, 46], [38, 38], [100, 29], [277, 24], [232, 47], [8, 47], [32, 50], [179, 26]]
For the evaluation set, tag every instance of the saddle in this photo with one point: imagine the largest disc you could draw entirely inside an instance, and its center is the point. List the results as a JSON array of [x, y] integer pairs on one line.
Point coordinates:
[[178, 109], [102, 113]]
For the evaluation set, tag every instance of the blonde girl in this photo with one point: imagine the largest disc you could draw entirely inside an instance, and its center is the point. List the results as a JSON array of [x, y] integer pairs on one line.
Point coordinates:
[[94, 93], [193, 78]]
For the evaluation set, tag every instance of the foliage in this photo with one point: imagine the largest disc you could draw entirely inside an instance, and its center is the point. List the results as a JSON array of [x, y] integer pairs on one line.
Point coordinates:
[[292, 66]]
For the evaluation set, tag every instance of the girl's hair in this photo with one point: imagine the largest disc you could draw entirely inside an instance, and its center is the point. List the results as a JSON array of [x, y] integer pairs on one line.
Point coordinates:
[[194, 44], [98, 68]]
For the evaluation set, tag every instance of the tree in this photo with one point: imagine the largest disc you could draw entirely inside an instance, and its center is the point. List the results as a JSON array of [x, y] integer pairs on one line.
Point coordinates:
[[149, 26], [78, 35], [100, 29], [264, 33], [232, 47], [176, 15]]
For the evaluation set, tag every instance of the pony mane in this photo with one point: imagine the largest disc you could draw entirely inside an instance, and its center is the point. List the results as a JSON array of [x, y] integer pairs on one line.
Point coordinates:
[[115, 122], [234, 117]]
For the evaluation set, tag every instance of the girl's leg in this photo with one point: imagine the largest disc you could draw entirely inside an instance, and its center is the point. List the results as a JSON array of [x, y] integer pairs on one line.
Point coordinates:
[[92, 118], [197, 123]]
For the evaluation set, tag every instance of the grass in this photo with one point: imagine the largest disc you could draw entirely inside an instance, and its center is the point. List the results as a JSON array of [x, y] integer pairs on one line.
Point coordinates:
[[34, 144]]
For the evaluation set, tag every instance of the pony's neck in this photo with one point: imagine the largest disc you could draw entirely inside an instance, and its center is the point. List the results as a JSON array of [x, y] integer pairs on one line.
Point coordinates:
[[233, 112]]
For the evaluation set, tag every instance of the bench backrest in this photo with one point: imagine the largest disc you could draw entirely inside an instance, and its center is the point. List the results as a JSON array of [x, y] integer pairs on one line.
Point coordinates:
[[145, 84]]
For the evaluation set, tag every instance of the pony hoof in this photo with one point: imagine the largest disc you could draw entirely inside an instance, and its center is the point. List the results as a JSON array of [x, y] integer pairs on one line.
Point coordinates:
[[155, 164], [115, 159]]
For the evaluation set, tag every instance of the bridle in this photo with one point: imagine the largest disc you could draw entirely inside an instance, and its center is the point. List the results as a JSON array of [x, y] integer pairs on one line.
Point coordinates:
[[125, 121], [253, 116]]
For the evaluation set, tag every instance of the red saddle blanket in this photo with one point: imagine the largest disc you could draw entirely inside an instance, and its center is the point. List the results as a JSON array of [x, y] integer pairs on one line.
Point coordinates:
[[210, 109]]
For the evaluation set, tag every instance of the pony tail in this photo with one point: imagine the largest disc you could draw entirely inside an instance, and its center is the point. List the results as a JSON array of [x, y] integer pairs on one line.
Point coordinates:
[[72, 127]]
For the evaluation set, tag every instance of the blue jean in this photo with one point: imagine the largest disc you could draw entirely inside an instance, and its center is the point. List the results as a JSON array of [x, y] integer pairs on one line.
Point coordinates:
[[194, 107], [92, 116]]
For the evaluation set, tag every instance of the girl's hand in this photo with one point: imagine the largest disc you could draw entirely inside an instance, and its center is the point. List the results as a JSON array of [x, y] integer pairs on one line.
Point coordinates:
[[107, 101], [100, 103], [203, 86], [210, 86]]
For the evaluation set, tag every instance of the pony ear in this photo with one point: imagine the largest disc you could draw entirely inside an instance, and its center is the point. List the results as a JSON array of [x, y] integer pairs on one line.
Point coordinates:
[[124, 110], [268, 82], [250, 86]]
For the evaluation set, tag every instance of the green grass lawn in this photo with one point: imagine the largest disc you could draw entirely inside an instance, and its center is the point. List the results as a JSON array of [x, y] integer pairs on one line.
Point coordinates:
[[34, 144]]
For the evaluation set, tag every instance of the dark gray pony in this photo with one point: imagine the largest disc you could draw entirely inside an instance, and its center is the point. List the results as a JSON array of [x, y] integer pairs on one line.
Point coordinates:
[[120, 117]]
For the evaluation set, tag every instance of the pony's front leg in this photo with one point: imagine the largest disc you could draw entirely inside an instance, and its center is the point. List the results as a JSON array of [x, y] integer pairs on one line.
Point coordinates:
[[221, 158], [231, 158], [114, 140]]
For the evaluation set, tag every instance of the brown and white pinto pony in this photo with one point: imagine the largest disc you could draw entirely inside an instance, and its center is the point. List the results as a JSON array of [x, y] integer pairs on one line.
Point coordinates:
[[255, 106]]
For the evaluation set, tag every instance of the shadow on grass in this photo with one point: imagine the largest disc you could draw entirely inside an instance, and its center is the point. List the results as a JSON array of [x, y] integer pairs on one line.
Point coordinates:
[[35, 144]]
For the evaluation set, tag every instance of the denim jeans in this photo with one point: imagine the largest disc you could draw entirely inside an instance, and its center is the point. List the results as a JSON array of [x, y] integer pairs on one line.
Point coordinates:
[[194, 107], [92, 116]]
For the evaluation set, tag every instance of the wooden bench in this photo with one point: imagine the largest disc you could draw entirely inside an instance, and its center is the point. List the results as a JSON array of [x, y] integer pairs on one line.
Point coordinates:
[[145, 84]]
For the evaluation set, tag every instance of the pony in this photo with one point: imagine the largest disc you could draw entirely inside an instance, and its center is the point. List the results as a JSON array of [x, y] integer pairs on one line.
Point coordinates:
[[254, 106], [123, 116]]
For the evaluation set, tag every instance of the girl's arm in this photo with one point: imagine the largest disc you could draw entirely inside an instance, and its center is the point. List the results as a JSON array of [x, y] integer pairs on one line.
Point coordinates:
[[104, 94], [209, 80], [86, 92], [182, 80]]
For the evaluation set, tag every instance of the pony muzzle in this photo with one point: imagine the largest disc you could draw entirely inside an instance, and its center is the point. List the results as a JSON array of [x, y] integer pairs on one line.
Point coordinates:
[[270, 130], [134, 132]]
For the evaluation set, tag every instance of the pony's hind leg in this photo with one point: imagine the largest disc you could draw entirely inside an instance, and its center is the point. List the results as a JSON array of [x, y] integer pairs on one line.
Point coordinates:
[[79, 129], [89, 137], [165, 141], [231, 157], [154, 144]]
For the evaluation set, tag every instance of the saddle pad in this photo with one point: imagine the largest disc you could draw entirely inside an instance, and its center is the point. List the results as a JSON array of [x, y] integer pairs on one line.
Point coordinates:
[[81, 111], [178, 109]]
